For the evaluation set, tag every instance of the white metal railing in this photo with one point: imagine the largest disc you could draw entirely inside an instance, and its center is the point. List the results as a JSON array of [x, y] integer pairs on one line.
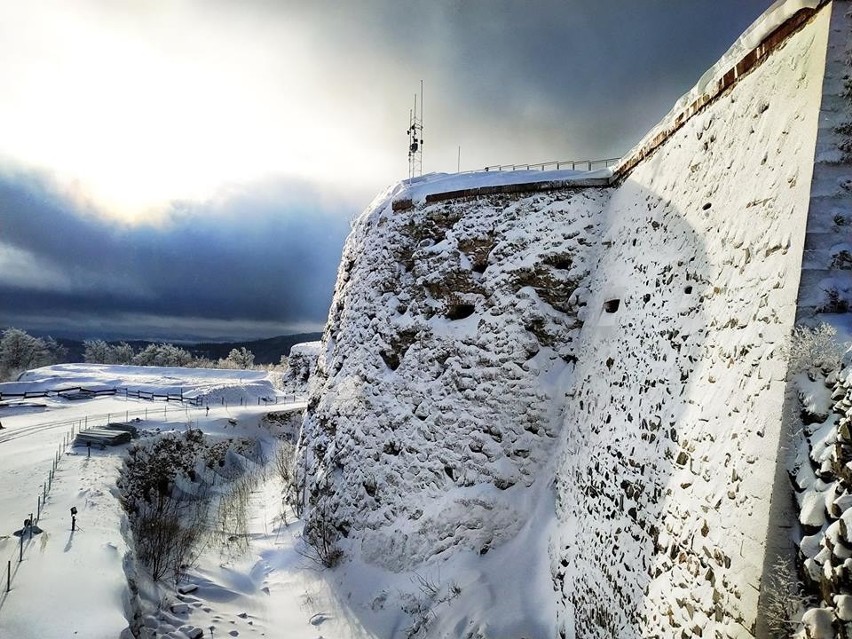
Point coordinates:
[[557, 165]]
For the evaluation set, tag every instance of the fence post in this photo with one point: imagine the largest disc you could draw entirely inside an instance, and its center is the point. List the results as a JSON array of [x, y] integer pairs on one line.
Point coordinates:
[[38, 510], [9, 575], [21, 556]]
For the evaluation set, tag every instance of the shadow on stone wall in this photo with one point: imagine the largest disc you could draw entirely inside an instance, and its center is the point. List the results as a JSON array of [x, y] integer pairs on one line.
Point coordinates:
[[631, 420]]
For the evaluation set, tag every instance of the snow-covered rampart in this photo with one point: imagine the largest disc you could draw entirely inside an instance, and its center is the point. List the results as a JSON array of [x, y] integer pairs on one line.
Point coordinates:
[[437, 397], [672, 424], [827, 268], [619, 347]]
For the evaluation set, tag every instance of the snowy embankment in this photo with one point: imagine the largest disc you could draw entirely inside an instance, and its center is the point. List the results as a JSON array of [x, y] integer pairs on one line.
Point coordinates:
[[211, 385]]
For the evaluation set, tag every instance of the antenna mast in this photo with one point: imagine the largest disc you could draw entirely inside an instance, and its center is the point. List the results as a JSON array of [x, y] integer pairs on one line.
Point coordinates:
[[415, 138]]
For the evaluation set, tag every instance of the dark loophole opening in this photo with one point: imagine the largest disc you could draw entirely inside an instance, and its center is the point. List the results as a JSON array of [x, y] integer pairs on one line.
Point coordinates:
[[688, 290], [611, 306], [460, 311]]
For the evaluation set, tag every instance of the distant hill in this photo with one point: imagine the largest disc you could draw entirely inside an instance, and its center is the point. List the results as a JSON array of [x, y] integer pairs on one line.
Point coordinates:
[[266, 351]]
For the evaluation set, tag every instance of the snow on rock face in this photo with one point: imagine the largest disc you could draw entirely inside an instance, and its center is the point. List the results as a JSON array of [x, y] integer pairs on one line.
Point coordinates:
[[673, 421], [300, 365], [436, 401], [627, 342]]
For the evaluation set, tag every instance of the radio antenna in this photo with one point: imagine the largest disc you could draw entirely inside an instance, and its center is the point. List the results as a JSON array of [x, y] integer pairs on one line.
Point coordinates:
[[415, 137]]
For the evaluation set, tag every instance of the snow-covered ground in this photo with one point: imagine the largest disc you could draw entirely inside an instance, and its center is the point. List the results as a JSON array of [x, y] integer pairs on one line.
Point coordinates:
[[73, 584]]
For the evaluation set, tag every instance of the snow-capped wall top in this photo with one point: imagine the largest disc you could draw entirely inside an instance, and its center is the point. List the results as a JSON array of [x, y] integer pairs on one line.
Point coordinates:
[[761, 37], [418, 189], [775, 16]]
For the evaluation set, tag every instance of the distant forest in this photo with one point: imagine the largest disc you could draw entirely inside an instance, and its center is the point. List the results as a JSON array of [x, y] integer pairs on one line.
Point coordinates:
[[266, 351]]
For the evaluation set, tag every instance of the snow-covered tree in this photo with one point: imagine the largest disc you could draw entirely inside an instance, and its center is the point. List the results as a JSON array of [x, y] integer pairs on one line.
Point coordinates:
[[122, 353], [20, 351], [96, 351], [815, 349], [100, 352], [57, 352], [163, 355], [238, 358]]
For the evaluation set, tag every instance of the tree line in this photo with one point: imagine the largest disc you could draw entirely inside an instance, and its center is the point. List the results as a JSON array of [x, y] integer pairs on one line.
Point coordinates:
[[20, 351]]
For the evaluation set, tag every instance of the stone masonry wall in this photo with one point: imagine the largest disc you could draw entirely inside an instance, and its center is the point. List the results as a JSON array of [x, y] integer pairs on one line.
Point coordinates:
[[827, 266], [672, 424], [436, 402]]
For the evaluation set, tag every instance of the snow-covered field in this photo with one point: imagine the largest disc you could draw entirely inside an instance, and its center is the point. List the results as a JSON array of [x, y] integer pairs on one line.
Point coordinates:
[[73, 584]]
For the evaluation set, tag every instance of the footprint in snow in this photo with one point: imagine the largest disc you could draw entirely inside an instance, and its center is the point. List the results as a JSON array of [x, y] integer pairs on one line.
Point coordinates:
[[319, 618]]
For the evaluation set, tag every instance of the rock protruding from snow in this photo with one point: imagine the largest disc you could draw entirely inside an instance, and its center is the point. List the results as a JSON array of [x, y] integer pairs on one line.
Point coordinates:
[[301, 364]]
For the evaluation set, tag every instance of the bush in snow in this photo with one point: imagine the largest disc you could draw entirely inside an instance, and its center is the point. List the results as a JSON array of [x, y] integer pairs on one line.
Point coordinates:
[[285, 467], [785, 599], [322, 536], [814, 349], [167, 523], [240, 358]]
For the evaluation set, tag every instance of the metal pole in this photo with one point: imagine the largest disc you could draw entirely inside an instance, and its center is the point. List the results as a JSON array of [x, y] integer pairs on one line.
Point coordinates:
[[8, 575], [39, 506], [21, 557]]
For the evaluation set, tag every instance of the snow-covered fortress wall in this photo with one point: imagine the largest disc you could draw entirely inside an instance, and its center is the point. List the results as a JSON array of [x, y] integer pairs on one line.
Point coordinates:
[[437, 400], [623, 342], [827, 267], [673, 420]]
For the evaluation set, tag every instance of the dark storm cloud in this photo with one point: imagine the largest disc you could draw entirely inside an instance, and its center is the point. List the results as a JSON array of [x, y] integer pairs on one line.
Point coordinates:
[[266, 257], [576, 77], [506, 80]]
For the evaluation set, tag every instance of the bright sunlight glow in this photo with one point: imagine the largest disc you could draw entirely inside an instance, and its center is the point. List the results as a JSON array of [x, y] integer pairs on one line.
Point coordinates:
[[130, 123]]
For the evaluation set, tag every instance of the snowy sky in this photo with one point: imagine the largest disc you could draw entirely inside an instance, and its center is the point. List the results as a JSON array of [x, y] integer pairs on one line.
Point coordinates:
[[190, 168]]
